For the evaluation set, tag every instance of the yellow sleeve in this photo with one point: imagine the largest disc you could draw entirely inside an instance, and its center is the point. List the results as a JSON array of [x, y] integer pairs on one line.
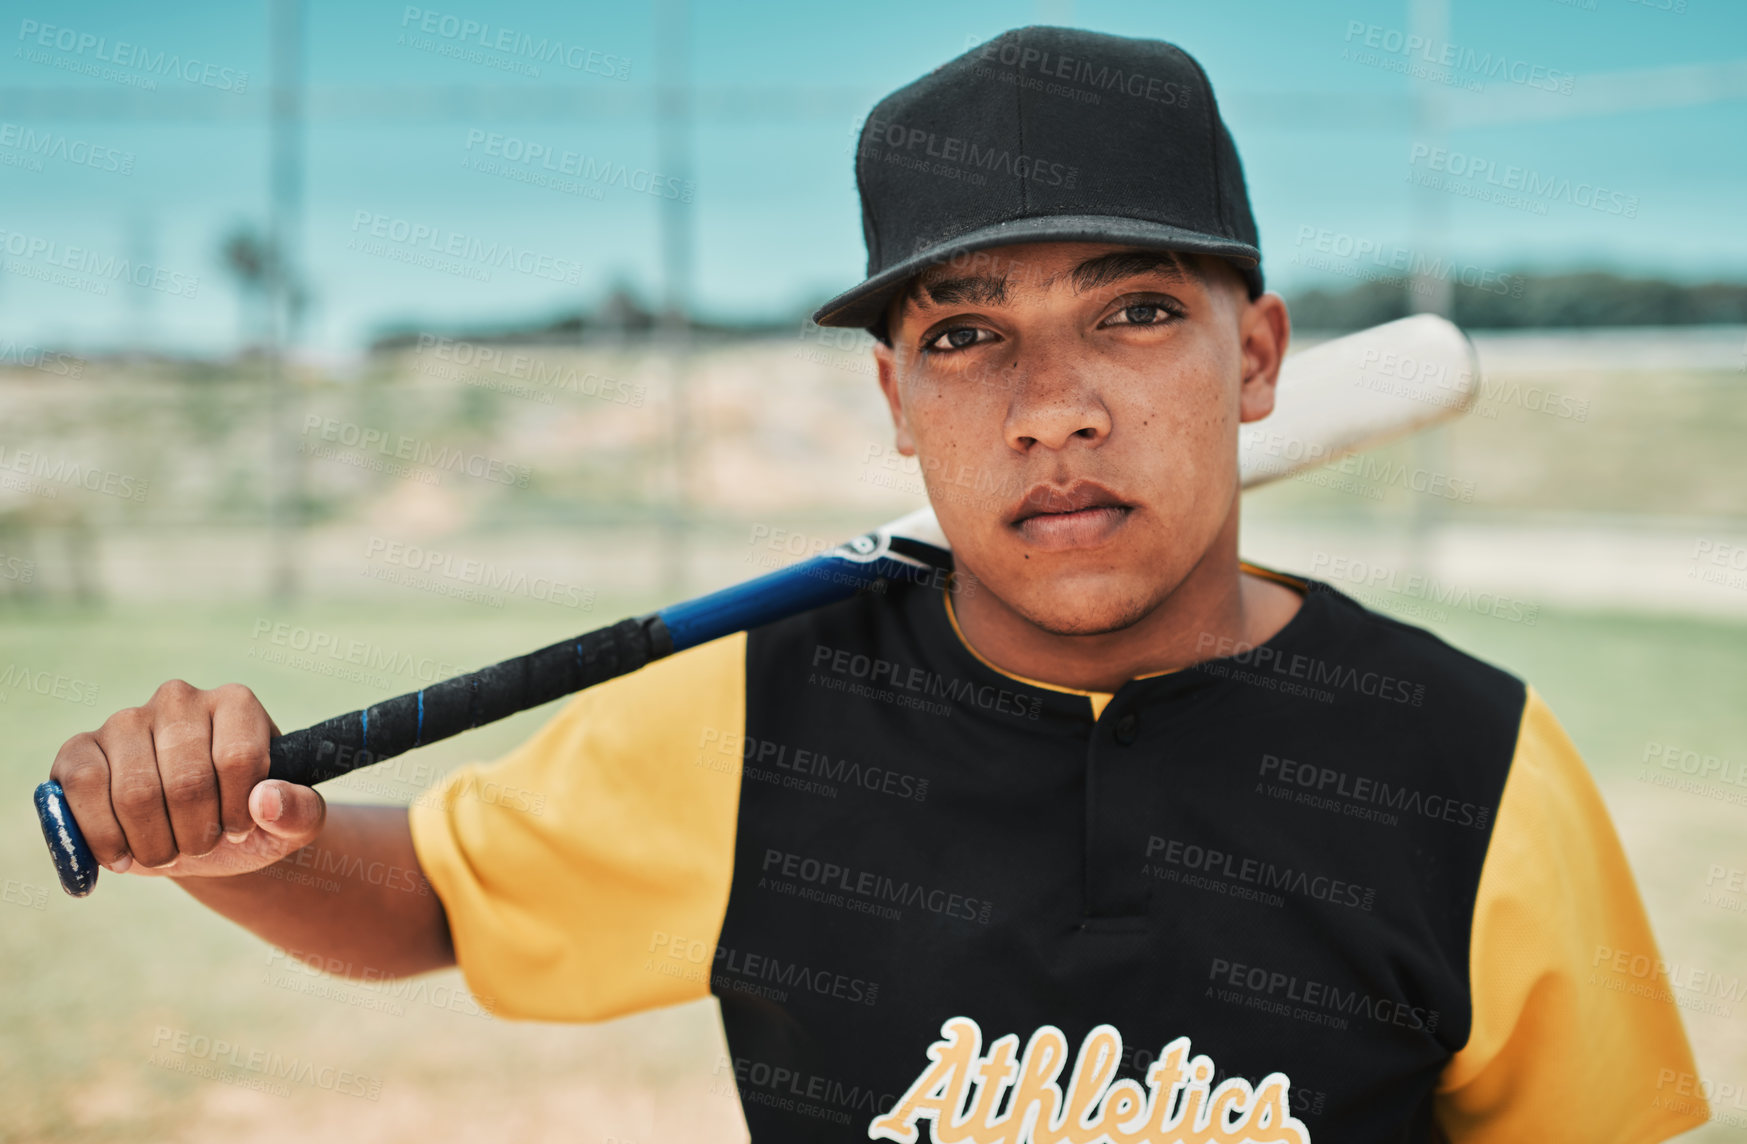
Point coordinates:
[[586, 873], [1575, 1033]]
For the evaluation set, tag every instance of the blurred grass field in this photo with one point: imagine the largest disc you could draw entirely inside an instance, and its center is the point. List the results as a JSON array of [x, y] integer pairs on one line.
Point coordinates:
[[92, 984], [1566, 513]]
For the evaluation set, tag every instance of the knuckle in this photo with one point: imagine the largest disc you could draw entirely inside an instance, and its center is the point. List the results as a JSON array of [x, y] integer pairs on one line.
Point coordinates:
[[175, 691], [240, 757], [234, 693], [82, 775], [188, 786], [75, 755], [137, 797], [127, 721]]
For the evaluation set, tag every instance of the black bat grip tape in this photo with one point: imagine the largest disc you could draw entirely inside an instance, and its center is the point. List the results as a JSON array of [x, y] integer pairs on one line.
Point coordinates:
[[383, 730]]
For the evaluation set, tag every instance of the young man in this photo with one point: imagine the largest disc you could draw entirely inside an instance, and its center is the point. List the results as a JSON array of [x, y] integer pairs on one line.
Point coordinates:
[[1123, 840]]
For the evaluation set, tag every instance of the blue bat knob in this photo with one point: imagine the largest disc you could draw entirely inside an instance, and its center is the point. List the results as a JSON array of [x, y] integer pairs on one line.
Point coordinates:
[[73, 860]]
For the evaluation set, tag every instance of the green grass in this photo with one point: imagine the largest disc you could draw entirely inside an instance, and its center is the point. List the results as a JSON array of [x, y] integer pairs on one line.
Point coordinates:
[[88, 983]]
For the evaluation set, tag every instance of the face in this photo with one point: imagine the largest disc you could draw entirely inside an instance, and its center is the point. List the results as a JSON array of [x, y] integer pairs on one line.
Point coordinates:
[[1075, 408]]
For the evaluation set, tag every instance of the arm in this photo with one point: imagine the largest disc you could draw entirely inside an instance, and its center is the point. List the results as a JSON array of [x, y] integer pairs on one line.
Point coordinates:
[[383, 919], [1563, 1045], [178, 788]]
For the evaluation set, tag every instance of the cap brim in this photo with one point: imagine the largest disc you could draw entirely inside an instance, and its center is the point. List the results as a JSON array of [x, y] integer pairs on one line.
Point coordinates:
[[865, 305]]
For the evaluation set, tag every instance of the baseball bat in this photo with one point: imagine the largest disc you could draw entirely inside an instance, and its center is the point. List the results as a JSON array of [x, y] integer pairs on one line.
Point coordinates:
[[1340, 397]]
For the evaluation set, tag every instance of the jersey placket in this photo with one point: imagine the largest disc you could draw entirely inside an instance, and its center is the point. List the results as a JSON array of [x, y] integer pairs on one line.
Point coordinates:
[[1123, 757]]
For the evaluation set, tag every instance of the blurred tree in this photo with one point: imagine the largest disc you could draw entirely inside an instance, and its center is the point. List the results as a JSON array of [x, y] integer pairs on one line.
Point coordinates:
[[250, 259], [1533, 301]]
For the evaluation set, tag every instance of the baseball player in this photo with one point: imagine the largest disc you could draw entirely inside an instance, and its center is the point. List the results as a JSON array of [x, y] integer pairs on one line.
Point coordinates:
[[1114, 838]]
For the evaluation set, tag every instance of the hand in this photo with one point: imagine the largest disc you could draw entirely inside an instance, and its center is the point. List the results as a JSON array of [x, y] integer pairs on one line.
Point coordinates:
[[179, 787]]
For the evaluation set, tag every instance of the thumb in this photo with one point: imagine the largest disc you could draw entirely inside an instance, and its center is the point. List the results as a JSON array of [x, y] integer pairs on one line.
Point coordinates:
[[287, 811]]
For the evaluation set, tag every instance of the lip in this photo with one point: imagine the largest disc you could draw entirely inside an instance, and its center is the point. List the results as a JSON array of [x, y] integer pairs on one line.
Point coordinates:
[[1085, 514]]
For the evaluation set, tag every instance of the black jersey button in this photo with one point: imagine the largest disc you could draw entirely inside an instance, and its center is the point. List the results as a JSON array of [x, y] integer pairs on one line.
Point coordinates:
[[1127, 730]]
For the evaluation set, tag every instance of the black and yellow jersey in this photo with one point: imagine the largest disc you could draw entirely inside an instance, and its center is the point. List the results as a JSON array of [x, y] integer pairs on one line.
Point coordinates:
[[1350, 885]]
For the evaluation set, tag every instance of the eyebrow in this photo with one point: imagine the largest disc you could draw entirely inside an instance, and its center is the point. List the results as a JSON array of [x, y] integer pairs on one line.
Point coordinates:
[[1105, 269]]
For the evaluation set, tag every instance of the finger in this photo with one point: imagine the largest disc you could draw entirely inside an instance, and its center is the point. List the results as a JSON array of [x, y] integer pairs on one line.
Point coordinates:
[[182, 741], [134, 788], [83, 773], [288, 811], [240, 733]]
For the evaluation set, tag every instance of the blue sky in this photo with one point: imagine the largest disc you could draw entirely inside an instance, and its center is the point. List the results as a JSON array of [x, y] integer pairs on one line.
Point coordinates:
[[1327, 141]]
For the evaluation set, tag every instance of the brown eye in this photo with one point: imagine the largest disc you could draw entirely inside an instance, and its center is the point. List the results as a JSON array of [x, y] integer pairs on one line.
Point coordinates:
[[1155, 313], [957, 338]]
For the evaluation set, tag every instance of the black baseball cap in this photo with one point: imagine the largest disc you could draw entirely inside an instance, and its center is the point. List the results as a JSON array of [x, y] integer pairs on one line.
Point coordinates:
[[1045, 135]]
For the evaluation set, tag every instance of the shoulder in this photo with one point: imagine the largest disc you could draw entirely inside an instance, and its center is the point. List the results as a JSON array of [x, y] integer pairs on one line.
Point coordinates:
[[896, 620], [1442, 678]]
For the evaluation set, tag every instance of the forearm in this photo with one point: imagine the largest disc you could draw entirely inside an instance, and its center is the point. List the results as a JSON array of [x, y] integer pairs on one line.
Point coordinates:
[[354, 901]]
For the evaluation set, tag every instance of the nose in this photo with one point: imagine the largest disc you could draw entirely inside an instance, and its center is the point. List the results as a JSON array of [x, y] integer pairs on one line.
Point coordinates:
[[1052, 402]]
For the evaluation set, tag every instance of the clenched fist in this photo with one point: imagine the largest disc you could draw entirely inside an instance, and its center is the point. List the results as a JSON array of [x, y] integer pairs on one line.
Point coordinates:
[[176, 787]]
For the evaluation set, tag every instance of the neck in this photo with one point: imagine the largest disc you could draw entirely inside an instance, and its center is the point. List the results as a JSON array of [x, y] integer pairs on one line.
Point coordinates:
[[1215, 608]]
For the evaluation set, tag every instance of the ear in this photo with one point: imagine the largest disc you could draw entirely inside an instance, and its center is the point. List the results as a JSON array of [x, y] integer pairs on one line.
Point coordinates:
[[886, 364], [1264, 328]]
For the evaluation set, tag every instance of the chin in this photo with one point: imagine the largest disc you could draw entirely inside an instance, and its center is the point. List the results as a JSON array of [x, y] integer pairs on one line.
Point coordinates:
[[1086, 605]]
